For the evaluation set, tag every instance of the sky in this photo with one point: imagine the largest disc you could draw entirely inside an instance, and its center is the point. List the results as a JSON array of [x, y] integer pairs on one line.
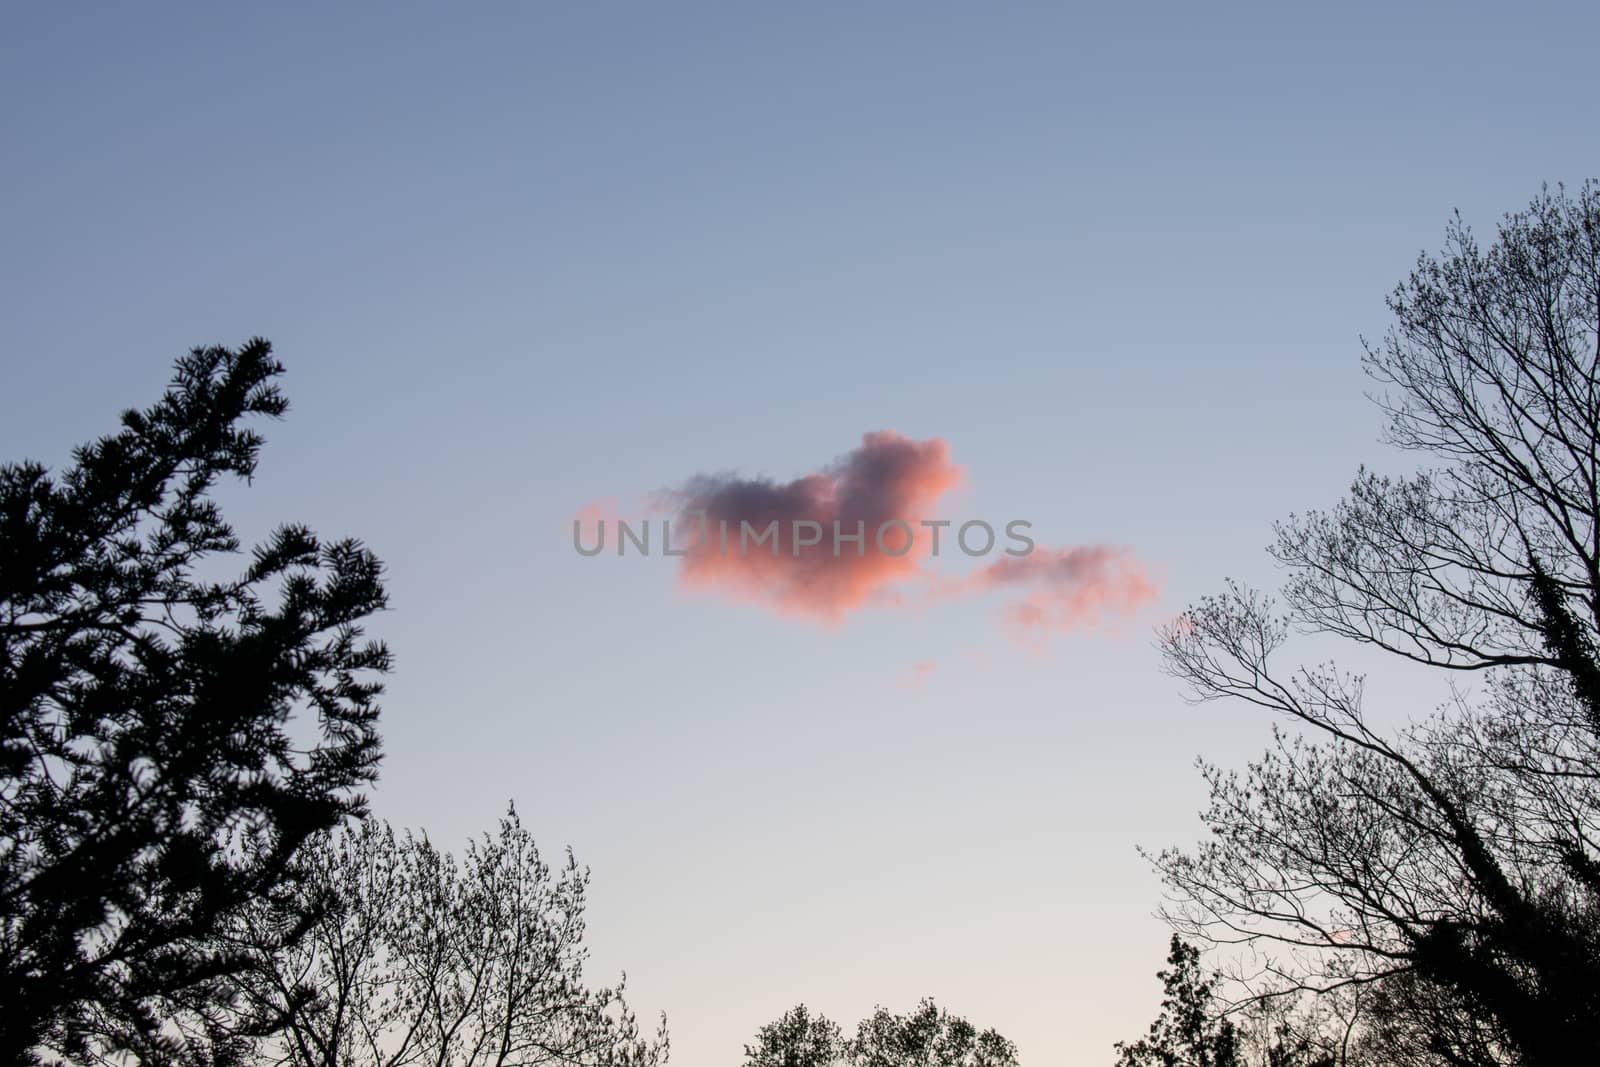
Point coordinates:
[[1105, 271]]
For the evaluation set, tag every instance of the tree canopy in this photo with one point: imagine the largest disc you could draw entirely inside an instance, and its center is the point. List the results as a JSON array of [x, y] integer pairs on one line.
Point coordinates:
[[417, 958], [169, 738], [1451, 865], [927, 1036]]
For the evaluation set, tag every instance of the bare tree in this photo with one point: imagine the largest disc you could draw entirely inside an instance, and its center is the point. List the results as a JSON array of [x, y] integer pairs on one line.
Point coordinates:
[[1452, 863], [418, 960]]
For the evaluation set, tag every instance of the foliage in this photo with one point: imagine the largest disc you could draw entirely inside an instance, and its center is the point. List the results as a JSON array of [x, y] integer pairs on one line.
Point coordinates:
[[154, 780], [798, 1038], [928, 1036]]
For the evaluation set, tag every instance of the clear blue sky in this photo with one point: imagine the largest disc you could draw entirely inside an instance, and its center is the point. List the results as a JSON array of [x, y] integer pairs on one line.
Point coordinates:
[[519, 257]]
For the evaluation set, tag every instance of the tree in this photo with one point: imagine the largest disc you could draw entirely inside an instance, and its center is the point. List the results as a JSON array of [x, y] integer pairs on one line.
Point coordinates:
[[1193, 1030], [1188, 1032], [1451, 863], [927, 1037], [1412, 1021], [798, 1038], [153, 781], [415, 959]]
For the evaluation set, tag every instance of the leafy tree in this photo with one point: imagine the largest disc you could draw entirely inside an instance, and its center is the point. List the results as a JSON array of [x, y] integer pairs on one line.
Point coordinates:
[[927, 1037], [798, 1038], [416, 959], [1193, 1029], [1452, 864], [1188, 1032], [152, 781]]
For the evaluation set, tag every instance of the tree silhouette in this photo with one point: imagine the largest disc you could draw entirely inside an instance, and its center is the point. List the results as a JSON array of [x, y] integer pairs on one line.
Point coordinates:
[[416, 959], [1451, 863], [1188, 1032], [1194, 1031], [152, 781], [928, 1036], [799, 1038]]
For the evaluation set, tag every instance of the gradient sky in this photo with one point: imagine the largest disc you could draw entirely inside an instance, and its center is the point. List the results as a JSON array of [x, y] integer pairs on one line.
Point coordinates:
[[518, 258]]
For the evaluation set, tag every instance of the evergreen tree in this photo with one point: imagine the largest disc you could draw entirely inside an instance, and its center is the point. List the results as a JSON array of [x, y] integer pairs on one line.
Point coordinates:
[[169, 738]]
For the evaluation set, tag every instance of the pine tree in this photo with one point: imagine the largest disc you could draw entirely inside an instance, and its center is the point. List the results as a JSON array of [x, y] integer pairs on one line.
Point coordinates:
[[168, 739]]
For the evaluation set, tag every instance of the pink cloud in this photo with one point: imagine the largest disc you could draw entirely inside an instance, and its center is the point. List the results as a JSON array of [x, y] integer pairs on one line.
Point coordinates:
[[1070, 588], [888, 478], [771, 544], [597, 511]]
